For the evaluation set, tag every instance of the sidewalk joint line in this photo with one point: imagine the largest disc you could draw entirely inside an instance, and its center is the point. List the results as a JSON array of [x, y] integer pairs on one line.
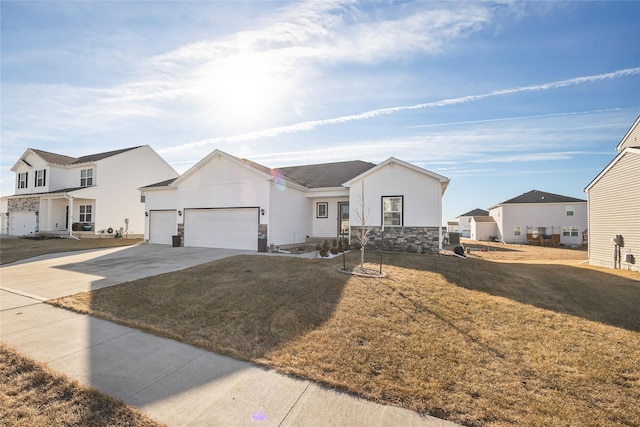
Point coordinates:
[[295, 403]]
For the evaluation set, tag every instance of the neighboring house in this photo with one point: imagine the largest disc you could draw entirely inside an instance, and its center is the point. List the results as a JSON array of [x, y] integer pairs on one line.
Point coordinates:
[[614, 207], [453, 227], [86, 195], [4, 216], [227, 202], [483, 228], [464, 221], [540, 217]]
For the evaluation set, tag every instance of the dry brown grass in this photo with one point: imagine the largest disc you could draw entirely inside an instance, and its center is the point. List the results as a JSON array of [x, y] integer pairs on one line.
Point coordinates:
[[33, 395], [473, 341], [18, 249]]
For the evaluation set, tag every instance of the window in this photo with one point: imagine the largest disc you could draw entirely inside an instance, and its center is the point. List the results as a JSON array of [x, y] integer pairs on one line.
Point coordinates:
[[22, 179], [516, 230], [41, 178], [142, 197], [392, 211], [321, 210], [86, 177], [570, 210], [570, 231], [85, 213]]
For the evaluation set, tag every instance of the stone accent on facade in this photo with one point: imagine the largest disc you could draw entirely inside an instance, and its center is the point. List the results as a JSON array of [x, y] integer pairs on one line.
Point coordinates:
[[181, 233], [404, 239], [24, 204]]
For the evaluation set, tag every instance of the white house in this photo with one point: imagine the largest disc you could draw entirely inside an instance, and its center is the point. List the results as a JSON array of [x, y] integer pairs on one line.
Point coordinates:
[[227, 202], [4, 216], [483, 228], [464, 221], [85, 195], [540, 217], [614, 207]]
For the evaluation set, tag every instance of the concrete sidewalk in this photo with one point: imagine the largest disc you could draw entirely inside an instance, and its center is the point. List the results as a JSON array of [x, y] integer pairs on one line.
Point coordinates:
[[175, 383]]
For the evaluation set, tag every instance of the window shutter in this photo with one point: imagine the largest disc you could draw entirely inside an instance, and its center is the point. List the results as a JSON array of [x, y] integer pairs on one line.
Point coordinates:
[[26, 179], [44, 177]]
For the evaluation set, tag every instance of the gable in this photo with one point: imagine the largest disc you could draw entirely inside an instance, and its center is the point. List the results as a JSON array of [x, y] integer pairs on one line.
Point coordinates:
[[632, 137], [631, 170], [392, 163]]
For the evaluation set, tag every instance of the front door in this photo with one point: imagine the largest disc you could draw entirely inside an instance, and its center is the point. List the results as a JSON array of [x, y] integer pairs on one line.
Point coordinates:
[[343, 218]]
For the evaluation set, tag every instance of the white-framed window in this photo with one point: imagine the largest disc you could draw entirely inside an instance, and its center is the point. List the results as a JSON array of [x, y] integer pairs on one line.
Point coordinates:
[[41, 178], [570, 210], [85, 213], [570, 231], [322, 210], [392, 210], [23, 178], [86, 177], [517, 231]]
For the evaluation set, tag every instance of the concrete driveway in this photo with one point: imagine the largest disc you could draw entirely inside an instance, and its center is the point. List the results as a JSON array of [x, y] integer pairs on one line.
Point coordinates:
[[56, 275]]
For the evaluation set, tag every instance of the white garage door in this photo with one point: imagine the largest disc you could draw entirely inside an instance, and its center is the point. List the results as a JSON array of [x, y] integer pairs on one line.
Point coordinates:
[[162, 225], [22, 223], [221, 228]]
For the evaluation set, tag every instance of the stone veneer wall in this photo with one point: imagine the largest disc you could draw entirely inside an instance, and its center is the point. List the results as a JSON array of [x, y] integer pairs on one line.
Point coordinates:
[[31, 204], [404, 239], [181, 233]]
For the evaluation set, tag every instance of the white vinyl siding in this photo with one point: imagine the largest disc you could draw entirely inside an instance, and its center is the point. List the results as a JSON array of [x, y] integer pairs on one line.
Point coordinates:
[[614, 208], [421, 196], [550, 216]]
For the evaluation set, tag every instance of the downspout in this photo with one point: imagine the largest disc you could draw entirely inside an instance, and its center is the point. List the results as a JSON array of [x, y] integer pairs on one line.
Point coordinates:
[[70, 215]]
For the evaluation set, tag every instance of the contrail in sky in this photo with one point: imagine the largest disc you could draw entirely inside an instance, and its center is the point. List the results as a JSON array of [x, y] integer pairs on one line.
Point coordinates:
[[309, 125], [503, 119]]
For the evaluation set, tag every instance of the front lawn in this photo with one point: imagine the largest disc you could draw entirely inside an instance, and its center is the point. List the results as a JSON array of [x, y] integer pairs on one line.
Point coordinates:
[[33, 395], [14, 249], [472, 341]]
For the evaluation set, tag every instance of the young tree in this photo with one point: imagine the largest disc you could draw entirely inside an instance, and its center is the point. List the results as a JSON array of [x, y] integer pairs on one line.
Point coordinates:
[[361, 233]]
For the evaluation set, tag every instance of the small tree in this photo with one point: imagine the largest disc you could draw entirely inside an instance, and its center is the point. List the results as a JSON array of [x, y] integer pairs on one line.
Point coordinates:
[[361, 233]]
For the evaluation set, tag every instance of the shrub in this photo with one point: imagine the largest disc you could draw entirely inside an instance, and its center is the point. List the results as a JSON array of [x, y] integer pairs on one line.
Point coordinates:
[[340, 245], [324, 251]]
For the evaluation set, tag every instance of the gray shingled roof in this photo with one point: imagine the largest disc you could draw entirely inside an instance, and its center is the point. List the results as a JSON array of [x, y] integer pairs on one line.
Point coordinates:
[[476, 212], [60, 159], [326, 174], [535, 196], [483, 219], [161, 184]]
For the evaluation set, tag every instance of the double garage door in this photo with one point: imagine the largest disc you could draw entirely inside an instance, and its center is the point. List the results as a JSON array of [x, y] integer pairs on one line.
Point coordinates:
[[208, 228], [222, 228]]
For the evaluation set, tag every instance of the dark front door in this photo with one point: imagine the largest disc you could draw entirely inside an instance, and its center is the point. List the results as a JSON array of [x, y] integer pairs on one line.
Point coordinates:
[[343, 218]]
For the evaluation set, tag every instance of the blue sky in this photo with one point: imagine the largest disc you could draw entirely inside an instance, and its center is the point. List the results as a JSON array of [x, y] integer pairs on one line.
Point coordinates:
[[501, 97]]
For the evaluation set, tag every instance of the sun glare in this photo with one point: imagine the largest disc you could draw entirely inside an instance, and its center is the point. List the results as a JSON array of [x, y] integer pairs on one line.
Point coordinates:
[[243, 92]]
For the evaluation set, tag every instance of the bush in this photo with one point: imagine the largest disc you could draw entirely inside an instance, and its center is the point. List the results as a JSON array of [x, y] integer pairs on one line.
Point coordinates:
[[340, 245], [324, 251]]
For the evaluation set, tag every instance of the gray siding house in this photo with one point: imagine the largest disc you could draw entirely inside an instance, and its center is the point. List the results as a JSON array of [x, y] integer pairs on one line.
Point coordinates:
[[614, 207]]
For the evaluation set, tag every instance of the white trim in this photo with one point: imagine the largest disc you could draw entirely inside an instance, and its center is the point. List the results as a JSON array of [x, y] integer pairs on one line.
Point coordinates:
[[610, 165], [631, 129]]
